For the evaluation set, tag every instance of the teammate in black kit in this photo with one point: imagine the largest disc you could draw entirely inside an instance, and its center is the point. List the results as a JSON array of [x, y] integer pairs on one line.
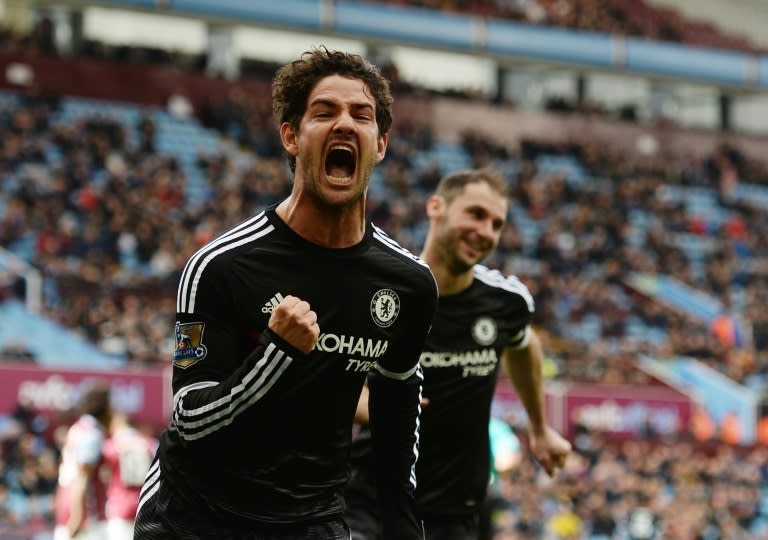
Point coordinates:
[[279, 320], [482, 321]]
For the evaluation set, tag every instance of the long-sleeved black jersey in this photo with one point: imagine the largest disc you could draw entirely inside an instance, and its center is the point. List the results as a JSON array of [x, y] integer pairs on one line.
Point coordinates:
[[261, 432], [460, 360]]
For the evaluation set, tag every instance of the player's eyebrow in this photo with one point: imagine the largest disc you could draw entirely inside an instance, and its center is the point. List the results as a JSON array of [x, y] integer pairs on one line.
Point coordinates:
[[324, 102]]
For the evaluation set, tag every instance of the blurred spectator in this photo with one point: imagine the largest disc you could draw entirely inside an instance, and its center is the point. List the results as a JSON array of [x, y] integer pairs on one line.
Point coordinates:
[[179, 105]]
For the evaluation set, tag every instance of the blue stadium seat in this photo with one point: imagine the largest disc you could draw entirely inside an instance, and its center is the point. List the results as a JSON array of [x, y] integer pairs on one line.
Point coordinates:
[[8, 98], [51, 344], [567, 165], [756, 195]]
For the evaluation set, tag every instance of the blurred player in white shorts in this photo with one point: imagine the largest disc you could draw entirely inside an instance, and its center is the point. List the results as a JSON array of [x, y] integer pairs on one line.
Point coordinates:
[[80, 496]]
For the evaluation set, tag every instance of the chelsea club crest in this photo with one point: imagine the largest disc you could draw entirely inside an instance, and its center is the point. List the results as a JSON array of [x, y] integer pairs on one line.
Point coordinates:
[[385, 307], [484, 330]]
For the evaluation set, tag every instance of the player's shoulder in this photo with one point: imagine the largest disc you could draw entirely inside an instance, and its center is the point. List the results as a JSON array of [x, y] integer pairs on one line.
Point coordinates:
[[222, 249], [501, 283], [409, 263], [210, 269], [86, 429]]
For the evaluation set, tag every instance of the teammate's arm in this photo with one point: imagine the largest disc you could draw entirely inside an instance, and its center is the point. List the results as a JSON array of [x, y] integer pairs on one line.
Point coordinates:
[[523, 365], [361, 412]]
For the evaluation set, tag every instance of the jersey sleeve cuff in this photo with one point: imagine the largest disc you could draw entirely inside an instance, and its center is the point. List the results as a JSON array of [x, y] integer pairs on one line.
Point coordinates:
[[268, 336], [398, 376], [520, 340]]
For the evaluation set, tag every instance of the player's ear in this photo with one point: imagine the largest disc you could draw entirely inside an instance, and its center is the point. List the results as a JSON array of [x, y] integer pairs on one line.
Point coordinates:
[[381, 147], [435, 206], [289, 138]]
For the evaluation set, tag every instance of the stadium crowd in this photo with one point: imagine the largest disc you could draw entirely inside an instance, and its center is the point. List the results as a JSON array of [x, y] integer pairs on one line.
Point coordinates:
[[107, 222], [111, 229], [638, 489], [109, 226], [635, 489]]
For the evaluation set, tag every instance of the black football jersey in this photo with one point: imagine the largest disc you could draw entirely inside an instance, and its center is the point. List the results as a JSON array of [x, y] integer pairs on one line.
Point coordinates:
[[259, 430], [461, 359]]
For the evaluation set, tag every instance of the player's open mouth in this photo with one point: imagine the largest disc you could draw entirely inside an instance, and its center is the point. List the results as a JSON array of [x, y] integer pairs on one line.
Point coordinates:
[[340, 164]]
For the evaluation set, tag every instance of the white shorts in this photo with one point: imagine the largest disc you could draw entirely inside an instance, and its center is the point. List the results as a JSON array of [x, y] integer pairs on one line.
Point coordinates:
[[119, 529], [89, 532]]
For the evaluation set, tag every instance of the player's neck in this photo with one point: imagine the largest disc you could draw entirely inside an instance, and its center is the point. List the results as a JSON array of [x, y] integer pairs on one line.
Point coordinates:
[[325, 226], [448, 283]]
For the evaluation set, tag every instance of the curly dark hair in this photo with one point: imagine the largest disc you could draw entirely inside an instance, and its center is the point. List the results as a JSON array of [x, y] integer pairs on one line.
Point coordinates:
[[294, 81]]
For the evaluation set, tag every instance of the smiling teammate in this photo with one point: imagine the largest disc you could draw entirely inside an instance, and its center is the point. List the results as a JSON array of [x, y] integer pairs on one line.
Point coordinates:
[[279, 320], [482, 322]]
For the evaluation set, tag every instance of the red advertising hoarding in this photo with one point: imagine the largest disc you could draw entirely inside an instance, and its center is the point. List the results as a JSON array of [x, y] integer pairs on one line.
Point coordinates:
[[617, 410], [145, 394]]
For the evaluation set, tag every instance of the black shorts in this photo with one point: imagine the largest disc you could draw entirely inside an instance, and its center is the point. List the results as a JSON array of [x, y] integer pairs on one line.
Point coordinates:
[[365, 525], [363, 518], [464, 527], [361, 514], [162, 517]]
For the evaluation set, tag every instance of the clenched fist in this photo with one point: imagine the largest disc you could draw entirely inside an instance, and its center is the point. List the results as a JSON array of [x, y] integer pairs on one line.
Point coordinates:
[[550, 449], [295, 322]]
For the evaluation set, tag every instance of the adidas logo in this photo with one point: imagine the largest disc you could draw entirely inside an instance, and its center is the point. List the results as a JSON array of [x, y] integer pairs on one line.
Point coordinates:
[[269, 307]]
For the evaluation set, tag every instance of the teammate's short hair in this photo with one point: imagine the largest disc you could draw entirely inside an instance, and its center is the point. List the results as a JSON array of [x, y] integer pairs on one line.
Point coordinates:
[[294, 82], [453, 184]]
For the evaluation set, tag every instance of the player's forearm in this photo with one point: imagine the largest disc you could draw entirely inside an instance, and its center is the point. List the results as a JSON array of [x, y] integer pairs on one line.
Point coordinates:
[[77, 494], [205, 408], [361, 412], [524, 369], [394, 411]]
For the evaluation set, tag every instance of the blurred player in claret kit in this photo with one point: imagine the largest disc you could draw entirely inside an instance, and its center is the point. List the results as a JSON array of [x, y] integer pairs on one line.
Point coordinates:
[[80, 495], [280, 320], [482, 322], [127, 454]]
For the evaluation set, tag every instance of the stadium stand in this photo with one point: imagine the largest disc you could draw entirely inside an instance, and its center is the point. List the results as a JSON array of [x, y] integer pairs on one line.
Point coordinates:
[[625, 254], [630, 17]]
